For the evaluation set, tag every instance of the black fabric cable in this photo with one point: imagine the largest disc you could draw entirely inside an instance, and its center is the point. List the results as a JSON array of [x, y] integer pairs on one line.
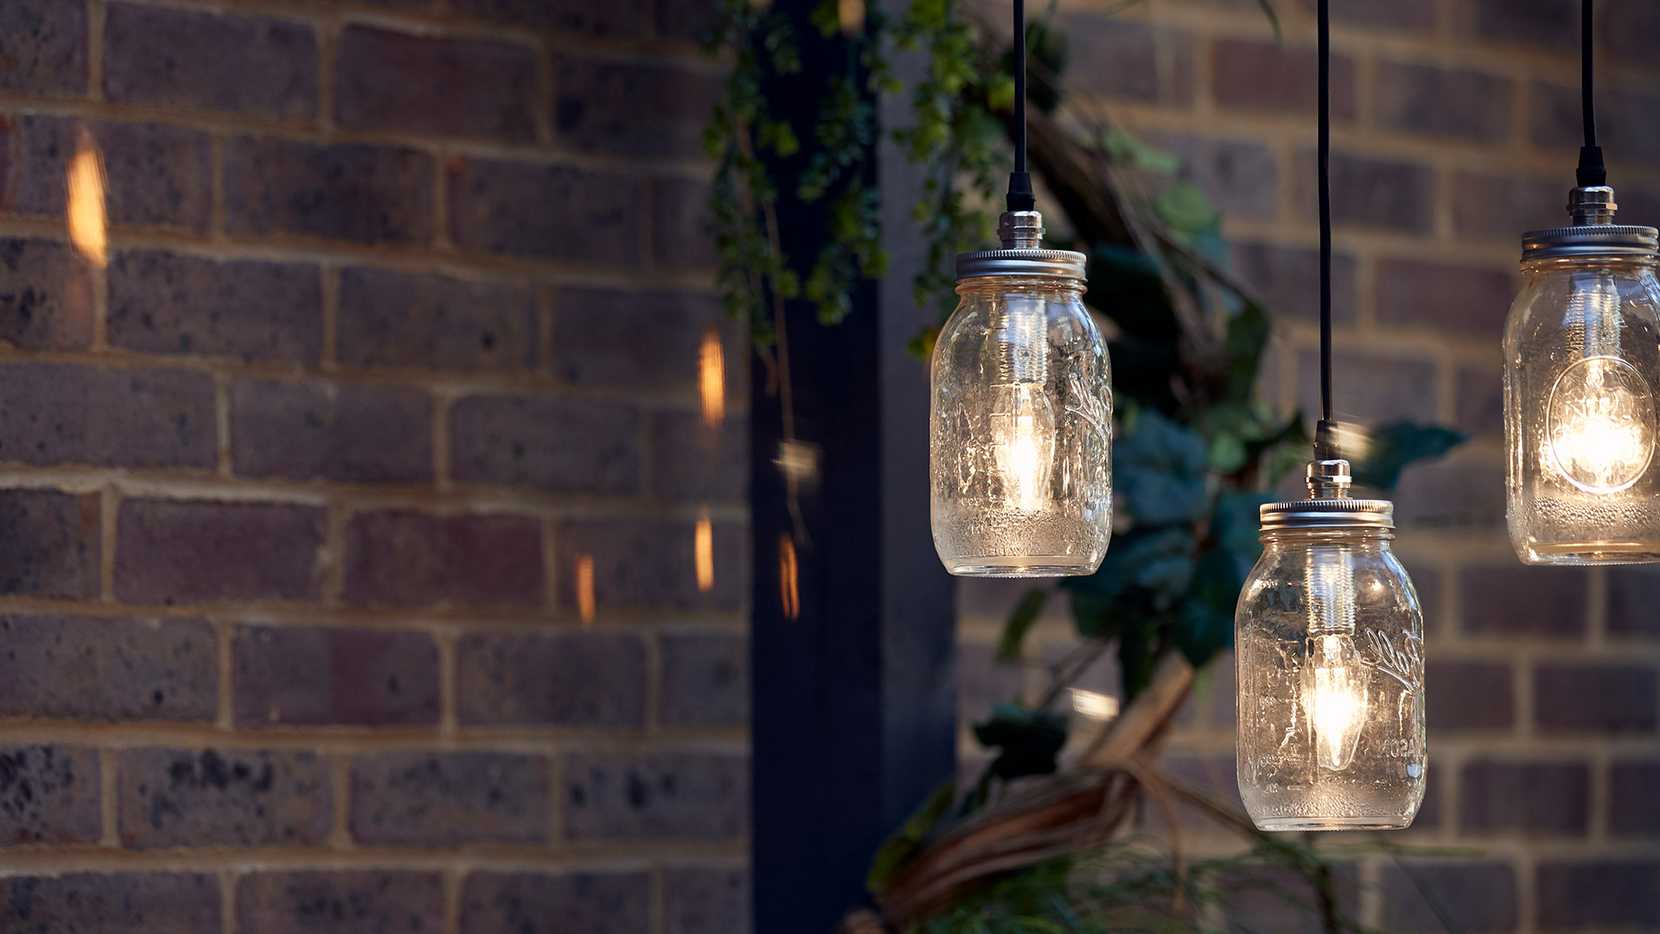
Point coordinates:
[[1592, 172], [1020, 181], [1323, 444]]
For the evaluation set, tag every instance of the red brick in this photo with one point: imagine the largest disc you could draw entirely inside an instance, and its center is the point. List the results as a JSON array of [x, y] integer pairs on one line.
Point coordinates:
[[1239, 176], [1443, 103], [1531, 798], [109, 669], [552, 212], [576, 679], [252, 310], [234, 797], [681, 235], [1370, 192], [446, 799], [1469, 695], [649, 563], [1476, 896], [340, 902], [327, 431], [1626, 31], [51, 545], [1370, 387], [113, 903], [67, 414], [705, 680], [1400, 15], [655, 796], [1550, 24], [1600, 893], [1447, 298], [1502, 207], [1595, 698], [400, 558], [558, 445], [49, 794], [1152, 64], [706, 901], [1633, 593], [1287, 279], [528, 903], [387, 80], [44, 46], [1624, 125], [245, 65], [1478, 401], [45, 296], [256, 551], [396, 319], [350, 192], [692, 461], [154, 175], [623, 19], [643, 341], [315, 675], [1252, 75], [632, 109], [1633, 807], [1511, 600], [1463, 490]]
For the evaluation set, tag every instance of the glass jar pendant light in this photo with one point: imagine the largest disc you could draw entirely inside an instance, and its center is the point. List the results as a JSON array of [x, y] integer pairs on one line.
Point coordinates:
[[1328, 632], [1581, 368], [1020, 436]]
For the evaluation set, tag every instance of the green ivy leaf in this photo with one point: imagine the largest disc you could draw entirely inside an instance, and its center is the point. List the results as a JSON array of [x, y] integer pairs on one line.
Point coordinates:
[[898, 849], [1204, 624], [1028, 741], [1161, 468], [1186, 209], [1244, 341], [1025, 615], [1393, 447]]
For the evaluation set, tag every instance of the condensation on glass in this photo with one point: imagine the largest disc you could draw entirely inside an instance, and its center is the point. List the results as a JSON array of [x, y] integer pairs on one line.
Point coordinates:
[[1021, 420], [1330, 667], [1581, 368]]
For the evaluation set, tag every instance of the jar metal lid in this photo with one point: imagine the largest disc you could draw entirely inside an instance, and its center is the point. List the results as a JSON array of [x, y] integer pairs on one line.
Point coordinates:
[[1590, 240], [1341, 513], [1061, 264]]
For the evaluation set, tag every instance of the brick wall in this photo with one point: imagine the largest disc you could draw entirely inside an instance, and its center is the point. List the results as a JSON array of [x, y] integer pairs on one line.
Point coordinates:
[[351, 488], [1455, 128]]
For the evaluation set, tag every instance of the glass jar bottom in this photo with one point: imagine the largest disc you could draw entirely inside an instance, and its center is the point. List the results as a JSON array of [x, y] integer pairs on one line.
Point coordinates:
[[1277, 824], [1590, 552], [1023, 566]]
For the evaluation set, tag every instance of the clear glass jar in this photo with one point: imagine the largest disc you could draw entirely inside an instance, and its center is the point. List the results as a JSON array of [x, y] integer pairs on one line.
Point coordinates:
[[1581, 367], [1021, 426], [1330, 668]]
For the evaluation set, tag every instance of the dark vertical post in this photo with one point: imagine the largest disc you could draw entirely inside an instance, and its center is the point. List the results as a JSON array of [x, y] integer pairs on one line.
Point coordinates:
[[853, 705]]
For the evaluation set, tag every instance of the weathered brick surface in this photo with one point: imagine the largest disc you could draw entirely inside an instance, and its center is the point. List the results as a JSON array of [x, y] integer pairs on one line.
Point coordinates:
[[1446, 103], [647, 563], [1549, 24], [660, 795], [1154, 63], [244, 65], [445, 799], [113, 903], [252, 310], [45, 295], [231, 797], [643, 341], [706, 901], [1447, 298], [1595, 698], [1238, 176], [315, 675], [51, 544], [1633, 807], [108, 669], [1626, 31], [1475, 896], [527, 903], [533, 210], [401, 558], [692, 461], [1287, 278], [49, 795], [577, 679], [1371, 192], [154, 174], [389, 80], [258, 551], [1462, 491], [440, 322], [44, 46], [328, 431], [1253, 75], [1599, 893], [340, 902], [1508, 600], [70, 414], [1535, 798], [705, 680], [680, 227], [1469, 695], [623, 19], [1555, 119], [350, 192], [1396, 387], [632, 109], [1501, 207], [1478, 401], [1633, 594], [558, 445]]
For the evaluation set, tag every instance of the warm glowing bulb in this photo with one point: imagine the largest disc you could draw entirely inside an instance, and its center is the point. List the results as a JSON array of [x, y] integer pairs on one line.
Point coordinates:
[[1334, 676], [1601, 425], [1023, 444]]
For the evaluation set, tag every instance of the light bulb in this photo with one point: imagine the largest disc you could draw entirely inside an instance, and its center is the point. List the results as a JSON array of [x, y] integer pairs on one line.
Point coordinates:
[[1334, 676], [1601, 425], [1023, 443]]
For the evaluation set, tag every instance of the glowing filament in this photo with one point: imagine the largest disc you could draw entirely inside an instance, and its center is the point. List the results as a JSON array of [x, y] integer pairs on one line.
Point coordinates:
[[711, 379], [1601, 418], [789, 592], [1334, 675], [703, 554], [1023, 444], [88, 222], [585, 588]]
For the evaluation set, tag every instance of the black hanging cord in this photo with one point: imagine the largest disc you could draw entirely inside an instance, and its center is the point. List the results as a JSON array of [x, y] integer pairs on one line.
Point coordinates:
[[1323, 445], [1592, 172], [1020, 182]]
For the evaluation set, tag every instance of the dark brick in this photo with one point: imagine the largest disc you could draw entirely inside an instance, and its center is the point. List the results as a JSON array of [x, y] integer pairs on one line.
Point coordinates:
[[1469, 695], [559, 445], [154, 175], [1153, 64], [113, 903], [641, 563], [386, 80], [526, 209], [445, 799], [67, 414], [1600, 892], [983, 682], [43, 45], [1633, 593], [655, 796], [252, 310], [694, 20], [1478, 401], [434, 322], [1550, 24], [1287, 279], [705, 680], [1273, 898], [1444, 297], [1471, 897], [1401, 15], [1624, 125], [1503, 206], [45, 296], [1238, 176], [316, 675], [526, 903], [49, 794], [105, 669], [1463, 490], [1633, 807], [1443, 103], [680, 225], [632, 109], [642, 341], [1626, 31], [1388, 387], [1511, 600], [50, 548], [1371, 192], [399, 558], [1530, 798], [578, 679], [233, 797], [624, 19], [255, 550], [1427, 580], [310, 431], [692, 461], [1252, 75], [168, 57], [1594, 698], [340, 902], [351, 192], [706, 901]]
